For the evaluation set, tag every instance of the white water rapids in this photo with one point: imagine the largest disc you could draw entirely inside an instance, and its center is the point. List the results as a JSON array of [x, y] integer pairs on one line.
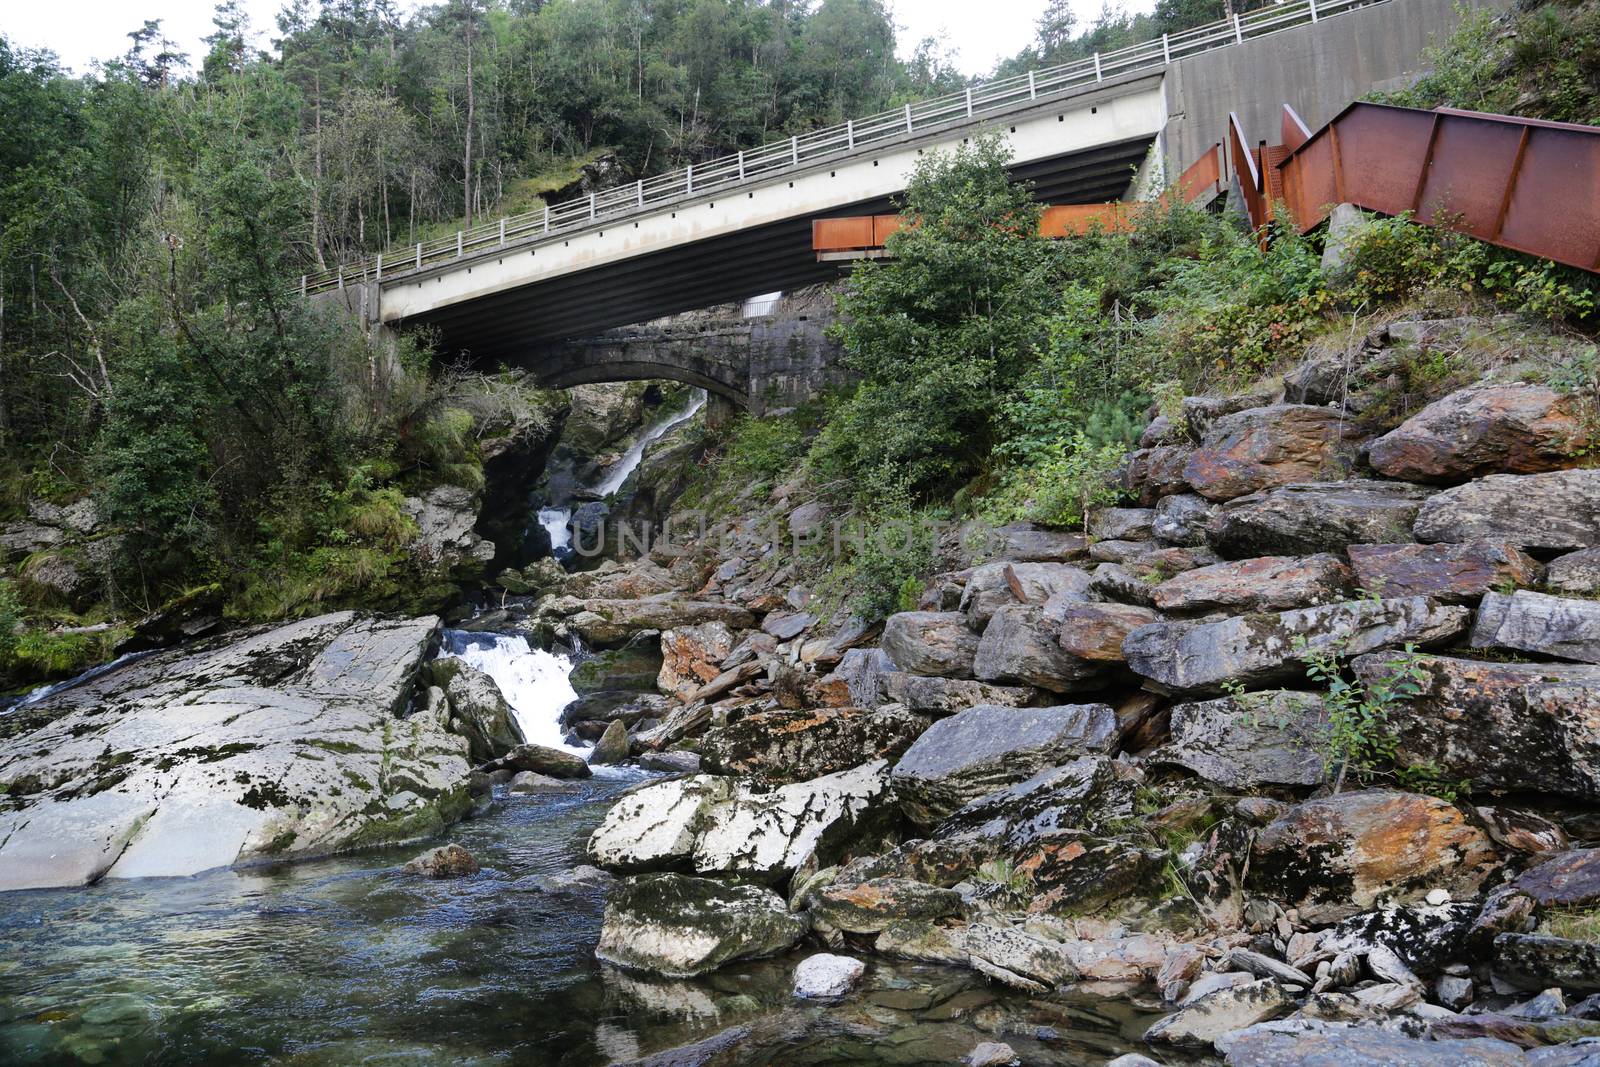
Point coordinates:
[[533, 681]]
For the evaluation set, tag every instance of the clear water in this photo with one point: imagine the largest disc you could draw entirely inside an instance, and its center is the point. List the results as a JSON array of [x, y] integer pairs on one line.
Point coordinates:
[[349, 961]]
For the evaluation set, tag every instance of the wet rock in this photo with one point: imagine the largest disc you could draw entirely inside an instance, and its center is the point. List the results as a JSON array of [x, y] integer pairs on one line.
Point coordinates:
[[997, 585], [931, 642], [1022, 644], [1321, 517], [944, 696], [1271, 738], [691, 656], [1178, 657], [1019, 959], [871, 906], [1535, 962], [1558, 510], [612, 746], [274, 743], [446, 861], [826, 976], [608, 622], [1264, 447], [527, 783], [1206, 984], [1451, 574], [1203, 1021], [1267, 583], [1506, 726], [480, 712], [977, 751], [1181, 518], [992, 1054], [1341, 854], [1335, 1046], [1575, 574], [679, 926], [1512, 428], [1534, 622], [671, 762], [797, 745], [1094, 632], [1122, 524], [656, 826], [541, 759]]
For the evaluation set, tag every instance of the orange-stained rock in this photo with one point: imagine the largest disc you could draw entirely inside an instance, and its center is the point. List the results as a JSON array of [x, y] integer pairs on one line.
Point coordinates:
[[1260, 448], [871, 906], [799, 745], [1095, 631], [1515, 428], [1454, 574], [1266, 583], [1342, 854], [691, 656]]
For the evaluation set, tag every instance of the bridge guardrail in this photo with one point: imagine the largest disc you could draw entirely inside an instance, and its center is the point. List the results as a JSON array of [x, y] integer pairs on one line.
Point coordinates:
[[792, 153]]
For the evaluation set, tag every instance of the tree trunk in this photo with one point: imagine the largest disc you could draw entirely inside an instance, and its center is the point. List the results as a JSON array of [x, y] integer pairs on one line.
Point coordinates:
[[316, 185], [466, 155]]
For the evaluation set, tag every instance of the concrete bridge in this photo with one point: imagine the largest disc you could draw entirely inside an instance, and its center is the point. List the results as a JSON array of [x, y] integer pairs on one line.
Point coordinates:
[[530, 290]]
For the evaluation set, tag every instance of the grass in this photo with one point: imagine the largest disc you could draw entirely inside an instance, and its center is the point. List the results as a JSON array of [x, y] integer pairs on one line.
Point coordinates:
[[1574, 924]]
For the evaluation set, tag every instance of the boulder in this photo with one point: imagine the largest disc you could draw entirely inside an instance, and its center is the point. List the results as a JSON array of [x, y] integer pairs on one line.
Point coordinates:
[[1023, 542], [527, 783], [977, 751], [1336, 1045], [1022, 644], [480, 712], [931, 642], [1266, 583], [670, 762], [1203, 1021], [1018, 958], [657, 826], [1079, 794], [446, 541], [1094, 632], [1181, 518], [446, 861], [1200, 413], [1247, 741], [1116, 583], [1176, 657], [997, 585], [1514, 428], [796, 745], [691, 656], [274, 743], [825, 976], [1298, 520], [1122, 524], [612, 746], [862, 678], [1260, 448], [541, 759], [1568, 880], [1534, 622], [680, 927], [1508, 727], [1153, 473], [871, 906], [1451, 574], [610, 622], [945, 696], [991, 1054], [1575, 574], [1341, 854], [1558, 510], [1534, 962]]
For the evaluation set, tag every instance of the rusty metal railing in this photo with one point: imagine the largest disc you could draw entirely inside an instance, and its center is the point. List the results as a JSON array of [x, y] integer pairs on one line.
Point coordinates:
[[833, 143]]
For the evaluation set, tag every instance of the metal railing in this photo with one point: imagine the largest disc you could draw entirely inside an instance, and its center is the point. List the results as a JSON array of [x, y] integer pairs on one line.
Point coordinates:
[[793, 153]]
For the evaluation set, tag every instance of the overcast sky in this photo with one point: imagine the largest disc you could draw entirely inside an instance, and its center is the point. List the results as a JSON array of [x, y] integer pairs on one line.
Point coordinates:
[[81, 31]]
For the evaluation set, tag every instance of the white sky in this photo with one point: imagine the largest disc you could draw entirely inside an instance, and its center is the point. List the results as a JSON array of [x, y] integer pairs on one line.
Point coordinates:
[[980, 32]]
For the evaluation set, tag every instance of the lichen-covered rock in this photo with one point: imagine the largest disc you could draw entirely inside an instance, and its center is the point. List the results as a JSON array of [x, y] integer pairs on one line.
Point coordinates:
[[1534, 622], [796, 745], [977, 751], [1266, 583], [680, 927], [1336, 1045], [1203, 1021], [1263, 447], [446, 861], [1569, 879], [480, 712], [1180, 519], [861, 679], [825, 976], [1451, 574], [1022, 644], [1117, 584], [1514, 428], [446, 541], [871, 906], [1557, 510], [542, 759], [1535, 962], [691, 656], [277, 743], [1177, 657], [1342, 854], [657, 826], [610, 622], [1018, 958], [1272, 738], [945, 696], [997, 585], [612, 746], [1122, 524], [1295, 520], [1024, 542], [1575, 574], [1513, 727], [931, 642], [1094, 632]]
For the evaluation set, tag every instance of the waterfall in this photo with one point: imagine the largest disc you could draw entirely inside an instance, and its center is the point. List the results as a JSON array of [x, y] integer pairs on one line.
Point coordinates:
[[533, 681]]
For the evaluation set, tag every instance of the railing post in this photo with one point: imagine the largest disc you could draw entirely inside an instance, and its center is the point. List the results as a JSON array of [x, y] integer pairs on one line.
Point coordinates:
[[909, 127], [794, 149], [1033, 90], [547, 218], [341, 279], [591, 207], [1166, 50], [502, 233], [302, 287], [1313, 10], [459, 239], [380, 267], [419, 255], [1097, 75], [1238, 31], [969, 101], [688, 177], [849, 135], [741, 165], [641, 192]]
